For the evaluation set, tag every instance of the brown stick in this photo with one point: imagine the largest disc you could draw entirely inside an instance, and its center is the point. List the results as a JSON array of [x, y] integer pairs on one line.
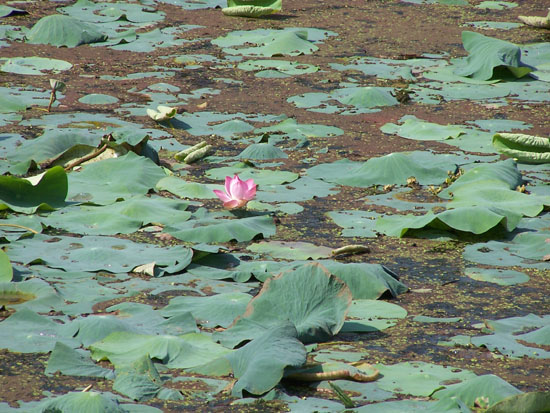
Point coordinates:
[[86, 158]]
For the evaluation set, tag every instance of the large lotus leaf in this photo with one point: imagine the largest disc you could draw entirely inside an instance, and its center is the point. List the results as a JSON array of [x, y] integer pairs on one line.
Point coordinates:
[[211, 230], [490, 195], [121, 178], [477, 220], [292, 129], [367, 316], [508, 345], [392, 169], [212, 311], [418, 129], [189, 350], [73, 362], [504, 174], [140, 381], [83, 402], [122, 217], [6, 270], [46, 191], [55, 145], [355, 223], [419, 378], [497, 276], [366, 281], [364, 97], [486, 54], [91, 253], [33, 294], [110, 11], [186, 189], [524, 148], [261, 176], [291, 250], [262, 151], [277, 68], [27, 332], [303, 189], [10, 103], [260, 364], [34, 65], [489, 386], [524, 402], [285, 42], [60, 30], [309, 296]]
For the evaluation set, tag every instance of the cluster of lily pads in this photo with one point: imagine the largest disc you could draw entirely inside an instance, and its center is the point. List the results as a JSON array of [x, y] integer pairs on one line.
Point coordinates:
[[76, 205]]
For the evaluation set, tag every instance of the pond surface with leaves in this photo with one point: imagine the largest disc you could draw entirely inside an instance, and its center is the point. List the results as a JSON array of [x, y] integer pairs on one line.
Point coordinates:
[[396, 256]]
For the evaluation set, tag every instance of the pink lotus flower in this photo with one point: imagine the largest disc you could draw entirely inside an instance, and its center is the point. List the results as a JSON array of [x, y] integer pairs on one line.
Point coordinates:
[[237, 192]]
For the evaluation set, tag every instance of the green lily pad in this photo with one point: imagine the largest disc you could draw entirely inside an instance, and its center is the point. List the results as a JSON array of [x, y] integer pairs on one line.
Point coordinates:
[[61, 30], [73, 362], [27, 332], [121, 178], [122, 217], [46, 193], [392, 169], [291, 250], [490, 386], [496, 5], [417, 129], [34, 65], [91, 253], [277, 68], [262, 151], [317, 305], [527, 402], [212, 229], [419, 378], [33, 294], [212, 311], [85, 402], [98, 99], [189, 350], [260, 364], [90, 11], [367, 316], [486, 54], [476, 219]]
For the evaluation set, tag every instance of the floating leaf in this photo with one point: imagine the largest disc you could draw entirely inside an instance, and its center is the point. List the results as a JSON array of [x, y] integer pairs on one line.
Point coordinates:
[[309, 296], [392, 169], [33, 294], [212, 311], [414, 128], [486, 54], [34, 65], [291, 250], [60, 30], [262, 151], [525, 402], [222, 230], [47, 191], [489, 386], [260, 364], [85, 402], [73, 362], [419, 378], [189, 350]]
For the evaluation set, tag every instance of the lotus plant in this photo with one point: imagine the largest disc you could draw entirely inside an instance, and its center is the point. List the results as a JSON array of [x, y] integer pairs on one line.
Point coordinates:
[[237, 192]]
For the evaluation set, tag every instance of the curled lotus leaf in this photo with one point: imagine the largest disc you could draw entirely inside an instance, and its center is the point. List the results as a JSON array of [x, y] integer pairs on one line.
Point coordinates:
[[524, 148], [536, 21], [252, 8]]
